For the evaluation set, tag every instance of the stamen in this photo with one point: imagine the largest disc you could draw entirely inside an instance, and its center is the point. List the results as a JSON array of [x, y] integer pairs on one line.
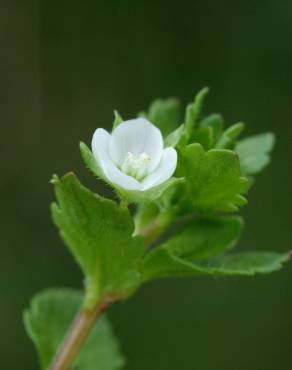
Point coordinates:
[[136, 167]]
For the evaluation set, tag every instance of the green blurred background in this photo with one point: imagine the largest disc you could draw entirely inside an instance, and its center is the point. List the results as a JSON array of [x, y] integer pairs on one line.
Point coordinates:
[[64, 67]]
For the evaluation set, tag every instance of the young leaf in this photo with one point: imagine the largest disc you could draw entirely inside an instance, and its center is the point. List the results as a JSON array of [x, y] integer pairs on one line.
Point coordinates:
[[204, 238], [98, 233], [164, 114], [203, 136], [47, 321], [162, 263], [254, 152], [213, 179], [193, 112], [216, 123], [235, 130], [228, 138]]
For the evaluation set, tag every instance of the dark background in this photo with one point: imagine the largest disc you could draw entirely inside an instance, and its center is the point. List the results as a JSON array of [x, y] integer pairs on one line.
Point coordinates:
[[64, 67]]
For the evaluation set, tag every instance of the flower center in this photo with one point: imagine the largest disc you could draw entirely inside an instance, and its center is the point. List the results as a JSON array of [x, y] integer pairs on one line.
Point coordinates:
[[136, 166]]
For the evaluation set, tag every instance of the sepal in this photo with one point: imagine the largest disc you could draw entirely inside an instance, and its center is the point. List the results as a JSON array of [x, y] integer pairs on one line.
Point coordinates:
[[151, 195]]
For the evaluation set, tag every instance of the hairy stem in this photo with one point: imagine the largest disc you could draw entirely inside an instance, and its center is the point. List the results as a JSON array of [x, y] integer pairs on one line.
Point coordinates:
[[78, 333]]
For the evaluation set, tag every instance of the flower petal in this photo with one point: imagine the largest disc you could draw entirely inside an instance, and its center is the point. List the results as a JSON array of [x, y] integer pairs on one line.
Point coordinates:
[[164, 170], [136, 136], [118, 178], [100, 145]]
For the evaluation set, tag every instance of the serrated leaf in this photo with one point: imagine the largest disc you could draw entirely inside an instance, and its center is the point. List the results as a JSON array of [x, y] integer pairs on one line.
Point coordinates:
[[47, 321], [204, 238], [193, 112], [254, 152], [98, 232], [247, 263], [162, 263], [165, 114], [213, 179]]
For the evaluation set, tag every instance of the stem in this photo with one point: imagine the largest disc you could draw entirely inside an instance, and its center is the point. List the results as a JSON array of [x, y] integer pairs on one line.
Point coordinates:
[[78, 333], [156, 228], [124, 203], [151, 232], [86, 319]]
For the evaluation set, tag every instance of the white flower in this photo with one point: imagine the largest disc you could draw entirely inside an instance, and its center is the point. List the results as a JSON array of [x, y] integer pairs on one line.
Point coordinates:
[[132, 157]]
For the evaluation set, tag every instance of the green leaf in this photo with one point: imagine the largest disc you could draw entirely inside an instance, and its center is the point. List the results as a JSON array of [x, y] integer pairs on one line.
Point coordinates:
[[228, 138], [98, 233], [47, 321], [216, 123], [213, 179], [174, 137], [117, 119], [235, 130], [164, 114], [193, 112], [203, 136], [254, 152], [161, 263], [247, 263], [204, 238]]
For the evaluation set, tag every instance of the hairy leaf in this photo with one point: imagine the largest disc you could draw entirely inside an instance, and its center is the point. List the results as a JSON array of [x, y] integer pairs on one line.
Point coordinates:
[[47, 321], [213, 179], [162, 263], [204, 238], [98, 233]]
